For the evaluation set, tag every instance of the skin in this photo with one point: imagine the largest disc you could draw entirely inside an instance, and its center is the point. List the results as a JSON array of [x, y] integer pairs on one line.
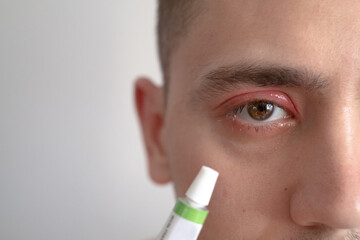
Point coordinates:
[[299, 180]]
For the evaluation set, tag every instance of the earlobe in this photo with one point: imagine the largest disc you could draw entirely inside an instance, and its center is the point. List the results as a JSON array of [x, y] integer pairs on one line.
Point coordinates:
[[149, 104]]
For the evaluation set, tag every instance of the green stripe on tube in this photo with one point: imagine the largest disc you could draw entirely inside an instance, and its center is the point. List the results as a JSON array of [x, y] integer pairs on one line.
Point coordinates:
[[190, 213]]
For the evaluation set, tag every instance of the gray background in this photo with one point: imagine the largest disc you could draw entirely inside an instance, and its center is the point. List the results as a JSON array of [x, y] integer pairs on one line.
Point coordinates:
[[72, 164]]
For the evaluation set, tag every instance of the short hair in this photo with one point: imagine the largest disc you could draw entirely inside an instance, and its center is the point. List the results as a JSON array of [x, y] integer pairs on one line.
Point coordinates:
[[174, 18]]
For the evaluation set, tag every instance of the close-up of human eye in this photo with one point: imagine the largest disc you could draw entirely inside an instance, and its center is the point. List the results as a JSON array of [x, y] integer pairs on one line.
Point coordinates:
[[259, 111]]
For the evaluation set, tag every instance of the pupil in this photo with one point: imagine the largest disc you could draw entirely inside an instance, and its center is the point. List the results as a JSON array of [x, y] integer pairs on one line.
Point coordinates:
[[260, 110], [262, 107]]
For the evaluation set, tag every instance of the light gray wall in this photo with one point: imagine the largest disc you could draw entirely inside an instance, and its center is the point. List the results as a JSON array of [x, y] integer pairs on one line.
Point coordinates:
[[72, 164]]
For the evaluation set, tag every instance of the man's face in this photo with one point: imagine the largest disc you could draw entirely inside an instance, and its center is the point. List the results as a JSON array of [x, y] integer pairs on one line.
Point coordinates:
[[268, 94]]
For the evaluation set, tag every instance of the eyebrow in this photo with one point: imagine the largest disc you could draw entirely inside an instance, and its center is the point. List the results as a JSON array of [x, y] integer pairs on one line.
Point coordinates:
[[228, 78]]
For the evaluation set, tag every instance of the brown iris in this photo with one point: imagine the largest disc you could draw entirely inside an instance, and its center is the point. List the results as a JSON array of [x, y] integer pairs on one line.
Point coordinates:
[[260, 110]]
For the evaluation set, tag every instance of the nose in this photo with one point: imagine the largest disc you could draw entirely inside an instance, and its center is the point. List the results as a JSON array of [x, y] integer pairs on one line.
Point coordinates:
[[328, 187]]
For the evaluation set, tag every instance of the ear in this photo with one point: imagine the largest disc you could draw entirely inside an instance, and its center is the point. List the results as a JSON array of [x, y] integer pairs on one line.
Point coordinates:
[[150, 108]]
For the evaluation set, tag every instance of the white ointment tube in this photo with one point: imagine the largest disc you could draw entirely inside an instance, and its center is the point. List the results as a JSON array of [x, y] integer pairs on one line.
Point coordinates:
[[188, 216]]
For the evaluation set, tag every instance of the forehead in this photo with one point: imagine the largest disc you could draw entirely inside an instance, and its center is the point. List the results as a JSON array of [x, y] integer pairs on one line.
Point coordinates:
[[321, 35]]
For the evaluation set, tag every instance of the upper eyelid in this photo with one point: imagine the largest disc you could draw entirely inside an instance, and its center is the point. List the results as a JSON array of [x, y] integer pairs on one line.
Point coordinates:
[[260, 99], [276, 97], [255, 100]]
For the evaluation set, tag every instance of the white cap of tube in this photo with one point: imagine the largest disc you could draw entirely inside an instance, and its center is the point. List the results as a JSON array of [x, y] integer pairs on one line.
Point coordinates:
[[203, 185]]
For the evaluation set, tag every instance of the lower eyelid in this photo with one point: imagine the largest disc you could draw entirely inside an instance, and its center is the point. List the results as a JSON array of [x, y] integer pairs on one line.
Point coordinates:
[[267, 129], [233, 117]]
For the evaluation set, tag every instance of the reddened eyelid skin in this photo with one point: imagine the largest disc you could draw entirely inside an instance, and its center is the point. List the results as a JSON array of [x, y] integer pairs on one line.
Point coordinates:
[[261, 130], [279, 98]]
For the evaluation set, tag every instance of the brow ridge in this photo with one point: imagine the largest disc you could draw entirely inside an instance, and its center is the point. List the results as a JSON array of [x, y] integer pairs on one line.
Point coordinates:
[[227, 78]]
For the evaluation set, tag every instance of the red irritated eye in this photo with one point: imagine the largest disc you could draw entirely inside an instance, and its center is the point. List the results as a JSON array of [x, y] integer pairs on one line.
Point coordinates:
[[265, 110], [258, 112]]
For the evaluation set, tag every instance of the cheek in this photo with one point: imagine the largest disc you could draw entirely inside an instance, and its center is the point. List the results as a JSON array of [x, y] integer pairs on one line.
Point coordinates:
[[248, 200], [252, 188], [187, 151]]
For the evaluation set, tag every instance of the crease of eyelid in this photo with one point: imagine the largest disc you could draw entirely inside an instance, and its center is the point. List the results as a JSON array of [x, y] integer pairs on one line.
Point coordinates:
[[228, 78]]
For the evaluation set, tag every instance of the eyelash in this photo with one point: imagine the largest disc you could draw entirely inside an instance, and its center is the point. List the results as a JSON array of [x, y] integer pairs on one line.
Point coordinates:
[[243, 107], [260, 126]]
